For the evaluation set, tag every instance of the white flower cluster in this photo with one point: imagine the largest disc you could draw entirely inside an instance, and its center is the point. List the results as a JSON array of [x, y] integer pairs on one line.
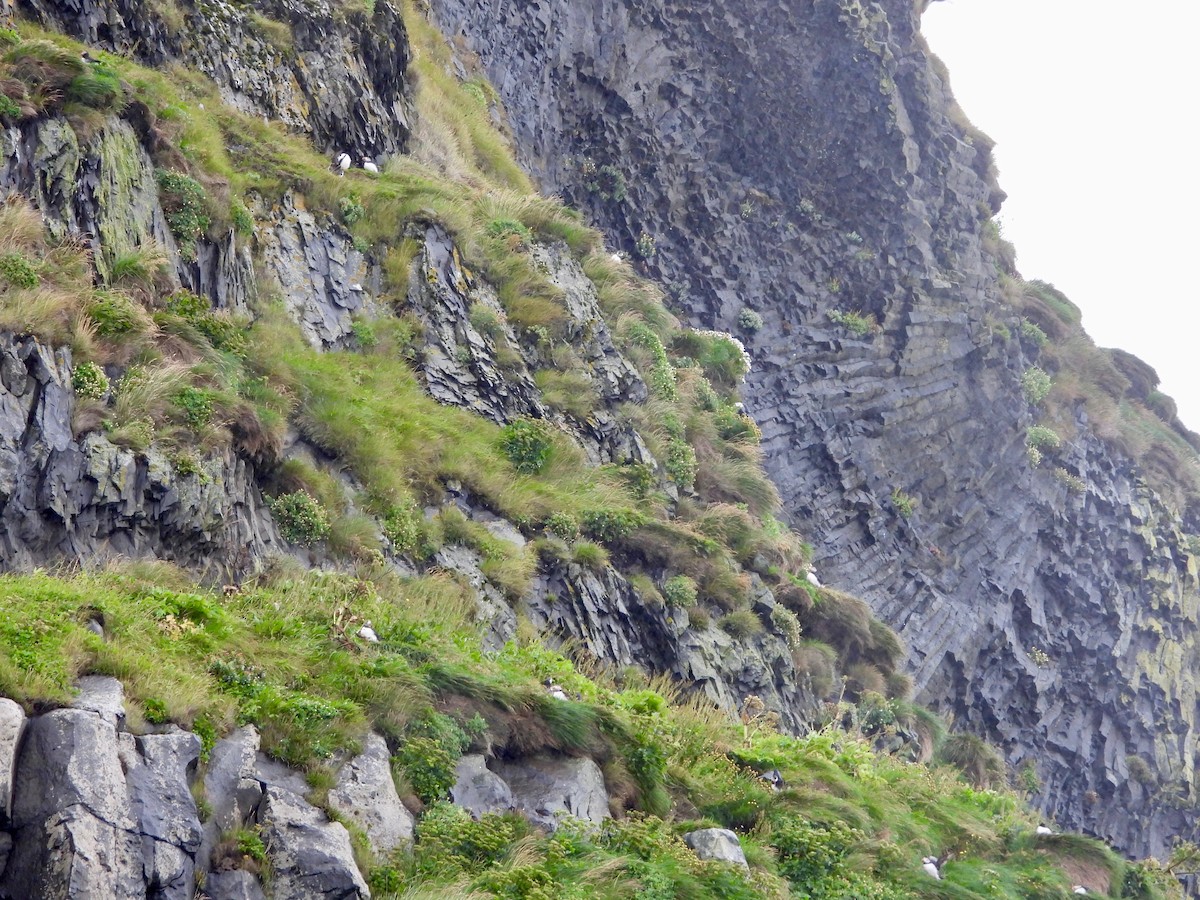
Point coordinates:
[[726, 336]]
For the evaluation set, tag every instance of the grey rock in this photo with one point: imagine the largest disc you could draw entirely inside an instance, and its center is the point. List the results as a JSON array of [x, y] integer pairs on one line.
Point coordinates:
[[310, 856], [719, 844], [102, 695], [999, 557], [479, 790], [6, 843], [231, 788], [545, 787], [12, 726], [158, 772], [235, 884], [459, 362], [366, 793], [74, 833], [315, 265], [342, 80]]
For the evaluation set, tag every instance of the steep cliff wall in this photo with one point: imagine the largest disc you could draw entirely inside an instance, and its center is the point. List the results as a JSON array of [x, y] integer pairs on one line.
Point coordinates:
[[806, 161]]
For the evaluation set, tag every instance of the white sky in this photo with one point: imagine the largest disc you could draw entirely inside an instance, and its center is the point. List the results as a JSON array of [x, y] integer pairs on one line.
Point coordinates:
[[1095, 108]]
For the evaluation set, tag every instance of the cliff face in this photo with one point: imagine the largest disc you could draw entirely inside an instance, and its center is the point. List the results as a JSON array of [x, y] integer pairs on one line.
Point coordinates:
[[805, 161]]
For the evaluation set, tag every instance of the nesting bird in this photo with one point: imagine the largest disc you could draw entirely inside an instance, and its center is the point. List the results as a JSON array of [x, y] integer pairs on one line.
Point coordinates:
[[555, 691], [370, 166], [774, 778], [89, 59], [929, 864], [813, 579], [367, 633], [342, 163]]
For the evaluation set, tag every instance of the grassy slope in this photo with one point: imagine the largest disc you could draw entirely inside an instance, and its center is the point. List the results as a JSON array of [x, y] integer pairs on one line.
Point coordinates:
[[283, 652]]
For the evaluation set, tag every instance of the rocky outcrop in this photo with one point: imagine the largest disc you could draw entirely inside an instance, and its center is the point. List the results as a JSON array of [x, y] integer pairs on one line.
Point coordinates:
[[317, 270], [97, 812], [544, 788], [86, 499], [807, 161], [327, 70], [720, 844], [478, 789], [366, 794]]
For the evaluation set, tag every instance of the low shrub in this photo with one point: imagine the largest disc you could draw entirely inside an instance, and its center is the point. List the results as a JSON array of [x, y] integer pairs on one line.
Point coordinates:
[[89, 381], [186, 206], [1035, 384], [680, 590], [1042, 438], [18, 271], [749, 320], [300, 517], [527, 445], [857, 324]]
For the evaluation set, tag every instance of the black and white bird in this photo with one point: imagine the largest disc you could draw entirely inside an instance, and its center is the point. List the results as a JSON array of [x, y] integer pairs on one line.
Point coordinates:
[[89, 59], [342, 163], [370, 166], [555, 691], [774, 778], [1079, 889], [1042, 829], [813, 579], [929, 864], [367, 633]]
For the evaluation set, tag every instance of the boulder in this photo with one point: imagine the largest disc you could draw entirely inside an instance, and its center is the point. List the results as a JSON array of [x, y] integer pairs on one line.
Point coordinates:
[[478, 789], [231, 789], [311, 857], [75, 837], [236, 884], [366, 793], [12, 725], [158, 773], [102, 695], [546, 787], [720, 844]]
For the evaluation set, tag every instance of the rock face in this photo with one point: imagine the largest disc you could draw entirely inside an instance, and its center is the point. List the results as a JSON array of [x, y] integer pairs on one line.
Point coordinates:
[[366, 793], [545, 787], [87, 499], [720, 844], [98, 813], [329, 71], [803, 160]]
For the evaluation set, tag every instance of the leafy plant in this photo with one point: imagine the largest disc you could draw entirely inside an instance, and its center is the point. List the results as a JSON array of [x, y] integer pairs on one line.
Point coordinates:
[[527, 444], [680, 591], [18, 271], [186, 206], [856, 323], [1042, 438], [89, 381], [1036, 384], [749, 320], [904, 503], [300, 517]]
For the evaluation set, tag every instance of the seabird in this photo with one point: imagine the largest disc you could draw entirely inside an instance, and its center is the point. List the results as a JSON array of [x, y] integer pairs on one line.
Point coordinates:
[[929, 864], [356, 288], [367, 633], [342, 162], [89, 59], [1079, 889], [1042, 829], [813, 579], [370, 166]]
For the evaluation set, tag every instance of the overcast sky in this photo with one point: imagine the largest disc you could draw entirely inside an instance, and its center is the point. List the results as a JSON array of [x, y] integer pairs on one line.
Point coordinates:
[[1095, 108]]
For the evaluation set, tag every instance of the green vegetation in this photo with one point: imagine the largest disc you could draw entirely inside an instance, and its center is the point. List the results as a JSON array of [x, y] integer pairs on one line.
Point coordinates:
[[904, 504], [301, 518], [1036, 384], [856, 323], [89, 381], [1040, 438]]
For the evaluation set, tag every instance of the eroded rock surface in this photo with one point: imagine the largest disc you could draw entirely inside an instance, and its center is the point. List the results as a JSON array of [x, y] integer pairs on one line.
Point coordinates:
[[546, 787], [803, 161]]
